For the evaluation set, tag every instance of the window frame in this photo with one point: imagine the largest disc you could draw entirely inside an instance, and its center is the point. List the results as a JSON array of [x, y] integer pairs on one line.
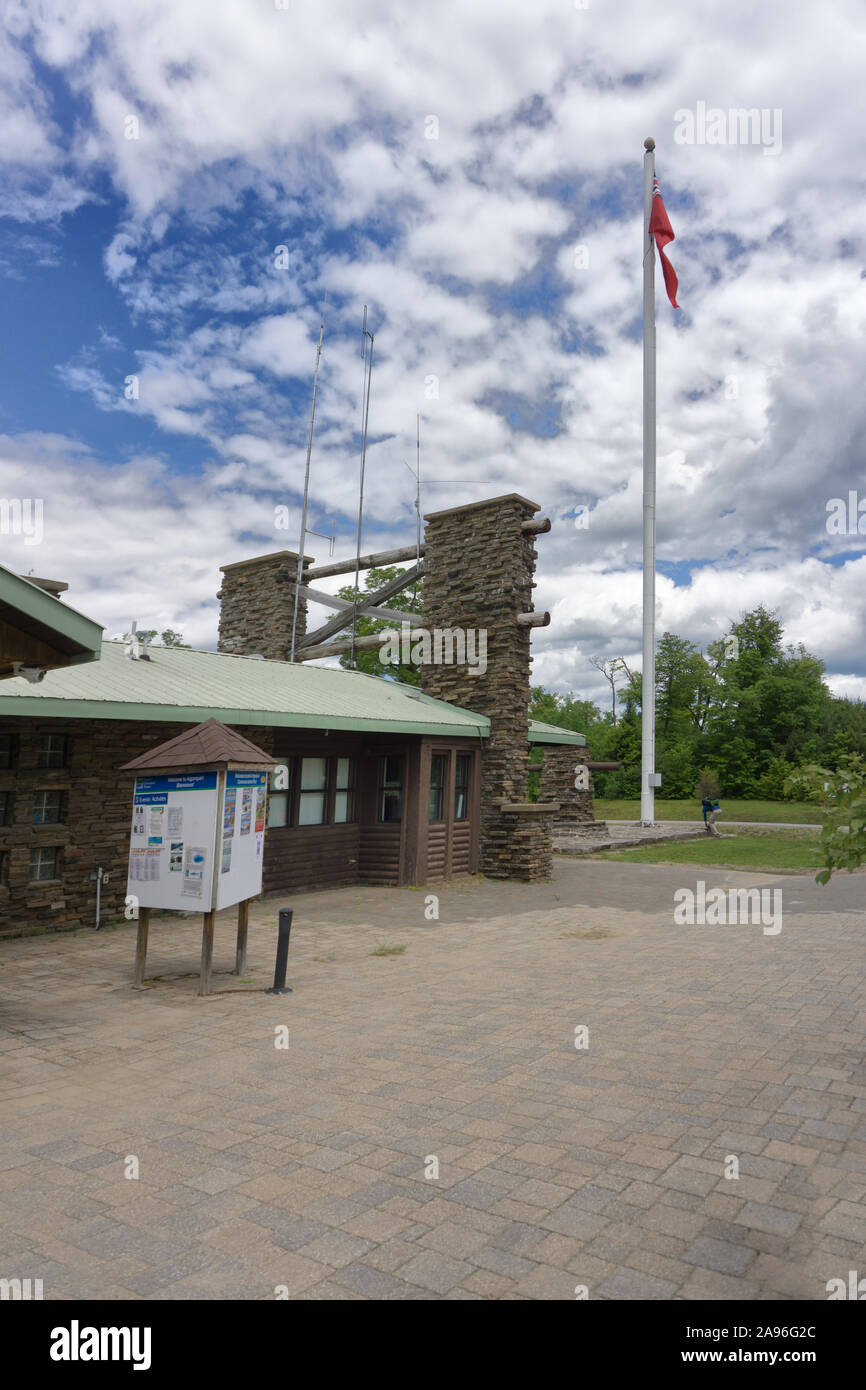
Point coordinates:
[[439, 788], [60, 794], [384, 787], [40, 850], [467, 760], [43, 755], [12, 762]]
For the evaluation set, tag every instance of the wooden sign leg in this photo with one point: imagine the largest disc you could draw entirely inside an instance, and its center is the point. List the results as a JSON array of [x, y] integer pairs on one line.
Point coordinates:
[[141, 944], [206, 951], [243, 924]]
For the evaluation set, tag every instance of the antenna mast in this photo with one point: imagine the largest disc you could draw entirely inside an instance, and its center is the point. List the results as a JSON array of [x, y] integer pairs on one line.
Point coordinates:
[[365, 396], [302, 541]]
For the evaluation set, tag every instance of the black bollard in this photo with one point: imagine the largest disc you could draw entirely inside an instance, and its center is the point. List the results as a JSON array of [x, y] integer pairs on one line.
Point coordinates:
[[285, 929]]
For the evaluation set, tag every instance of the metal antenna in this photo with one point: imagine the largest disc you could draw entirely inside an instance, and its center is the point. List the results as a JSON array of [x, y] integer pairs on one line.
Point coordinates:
[[303, 536], [417, 477], [365, 396]]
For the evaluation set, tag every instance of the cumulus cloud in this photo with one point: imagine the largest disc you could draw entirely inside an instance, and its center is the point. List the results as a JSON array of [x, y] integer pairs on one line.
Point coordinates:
[[472, 175]]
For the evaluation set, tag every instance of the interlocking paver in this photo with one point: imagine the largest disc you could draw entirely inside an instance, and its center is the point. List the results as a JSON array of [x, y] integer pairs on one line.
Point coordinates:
[[305, 1169]]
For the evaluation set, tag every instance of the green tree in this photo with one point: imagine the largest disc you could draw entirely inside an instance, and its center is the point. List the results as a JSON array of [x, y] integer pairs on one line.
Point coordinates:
[[842, 794], [167, 638], [408, 600]]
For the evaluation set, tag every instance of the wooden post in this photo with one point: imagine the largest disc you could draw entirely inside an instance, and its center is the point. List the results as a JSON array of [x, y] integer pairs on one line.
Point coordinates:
[[141, 944], [243, 924], [206, 951]]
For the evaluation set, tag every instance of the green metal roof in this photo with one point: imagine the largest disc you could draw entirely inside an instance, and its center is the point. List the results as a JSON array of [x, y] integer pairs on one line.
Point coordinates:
[[539, 732], [32, 610], [182, 685]]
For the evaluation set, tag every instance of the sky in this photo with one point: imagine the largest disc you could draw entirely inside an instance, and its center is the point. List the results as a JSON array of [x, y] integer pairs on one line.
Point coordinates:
[[186, 189]]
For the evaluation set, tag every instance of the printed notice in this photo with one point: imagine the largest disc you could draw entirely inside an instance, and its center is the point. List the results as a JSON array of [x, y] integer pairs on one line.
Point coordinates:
[[246, 810], [226, 865], [194, 864], [144, 866], [229, 812], [260, 810], [139, 820], [175, 821], [175, 858]]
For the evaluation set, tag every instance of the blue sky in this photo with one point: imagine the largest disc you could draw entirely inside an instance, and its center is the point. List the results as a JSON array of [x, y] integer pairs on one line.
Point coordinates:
[[473, 175]]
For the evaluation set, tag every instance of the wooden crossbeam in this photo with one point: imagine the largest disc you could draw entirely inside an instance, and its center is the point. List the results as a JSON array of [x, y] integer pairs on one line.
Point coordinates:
[[362, 644], [347, 608], [383, 557], [374, 601]]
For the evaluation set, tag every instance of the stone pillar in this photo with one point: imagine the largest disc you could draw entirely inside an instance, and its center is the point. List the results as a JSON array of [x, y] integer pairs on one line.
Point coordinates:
[[257, 602], [576, 807], [478, 575]]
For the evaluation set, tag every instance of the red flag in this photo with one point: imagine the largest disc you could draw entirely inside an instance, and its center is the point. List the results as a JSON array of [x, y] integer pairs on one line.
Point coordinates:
[[660, 227]]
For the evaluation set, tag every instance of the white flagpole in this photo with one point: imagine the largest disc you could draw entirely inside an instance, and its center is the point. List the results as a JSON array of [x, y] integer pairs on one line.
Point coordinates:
[[648, 691]]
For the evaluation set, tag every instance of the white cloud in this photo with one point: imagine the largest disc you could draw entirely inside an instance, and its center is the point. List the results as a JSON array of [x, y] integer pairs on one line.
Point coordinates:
[[525, 367]]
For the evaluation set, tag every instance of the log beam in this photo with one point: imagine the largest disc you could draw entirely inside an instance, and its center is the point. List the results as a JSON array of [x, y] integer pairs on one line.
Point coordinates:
[[376, 561], [534, 619], [374, 600]]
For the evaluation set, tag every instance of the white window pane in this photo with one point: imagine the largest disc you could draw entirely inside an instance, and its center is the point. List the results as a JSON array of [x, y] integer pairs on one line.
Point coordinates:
[[314, 773], [278, 809], [312, 808], [344, 772]]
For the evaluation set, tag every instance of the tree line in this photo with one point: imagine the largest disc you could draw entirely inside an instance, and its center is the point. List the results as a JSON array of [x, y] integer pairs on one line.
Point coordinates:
[[738, 719]]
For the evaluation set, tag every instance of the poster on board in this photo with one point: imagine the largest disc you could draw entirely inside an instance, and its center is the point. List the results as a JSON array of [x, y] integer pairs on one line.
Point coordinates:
[[196, 840], [241, 853], [172, 841]]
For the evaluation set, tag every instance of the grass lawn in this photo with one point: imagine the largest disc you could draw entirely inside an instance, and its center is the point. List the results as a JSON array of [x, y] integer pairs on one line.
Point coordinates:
[[760, 849], [786, 811]]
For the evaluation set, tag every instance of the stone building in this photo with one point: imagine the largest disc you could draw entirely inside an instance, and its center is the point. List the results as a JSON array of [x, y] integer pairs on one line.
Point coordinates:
[[380, 782]]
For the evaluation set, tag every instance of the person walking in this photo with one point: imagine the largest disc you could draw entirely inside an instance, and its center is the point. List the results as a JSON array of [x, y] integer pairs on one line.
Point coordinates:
[[712, 810]]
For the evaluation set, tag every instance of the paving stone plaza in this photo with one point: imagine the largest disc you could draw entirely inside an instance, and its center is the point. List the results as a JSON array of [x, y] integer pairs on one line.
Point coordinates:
[[435, 1127]]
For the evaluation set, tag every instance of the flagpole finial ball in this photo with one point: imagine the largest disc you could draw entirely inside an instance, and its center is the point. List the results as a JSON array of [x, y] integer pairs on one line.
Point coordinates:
[[649, 143]]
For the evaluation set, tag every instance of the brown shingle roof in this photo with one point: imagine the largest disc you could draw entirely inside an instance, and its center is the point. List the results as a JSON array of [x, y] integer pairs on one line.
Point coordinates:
[[204, 745]]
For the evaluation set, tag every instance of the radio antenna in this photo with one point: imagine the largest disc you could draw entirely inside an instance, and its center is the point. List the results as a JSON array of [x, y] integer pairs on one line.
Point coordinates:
[[365, 401], [303, 537]]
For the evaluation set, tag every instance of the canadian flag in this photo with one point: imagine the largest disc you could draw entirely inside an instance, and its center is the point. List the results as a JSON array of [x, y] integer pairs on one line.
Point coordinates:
[[660, 227]]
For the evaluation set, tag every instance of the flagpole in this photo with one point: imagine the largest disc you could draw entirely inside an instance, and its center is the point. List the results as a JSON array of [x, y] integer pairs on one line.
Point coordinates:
[[648, 694]]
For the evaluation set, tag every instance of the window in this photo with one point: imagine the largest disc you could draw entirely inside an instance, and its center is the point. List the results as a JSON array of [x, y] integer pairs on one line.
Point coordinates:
[[344, 794], [391, 789], [280, 796], [44, 863], [47, 807], [314, 791], [7, 752], [51, 751], [461, 786], [438, 773], [5, 808]]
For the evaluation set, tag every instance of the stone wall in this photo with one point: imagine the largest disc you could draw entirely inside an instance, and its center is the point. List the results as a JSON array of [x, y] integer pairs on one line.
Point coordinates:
[[576, 807], [257, 602], [96, 817], [479, 568]]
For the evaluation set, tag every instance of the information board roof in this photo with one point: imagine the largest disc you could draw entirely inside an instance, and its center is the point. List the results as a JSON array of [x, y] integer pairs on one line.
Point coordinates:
[[209, 744]]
